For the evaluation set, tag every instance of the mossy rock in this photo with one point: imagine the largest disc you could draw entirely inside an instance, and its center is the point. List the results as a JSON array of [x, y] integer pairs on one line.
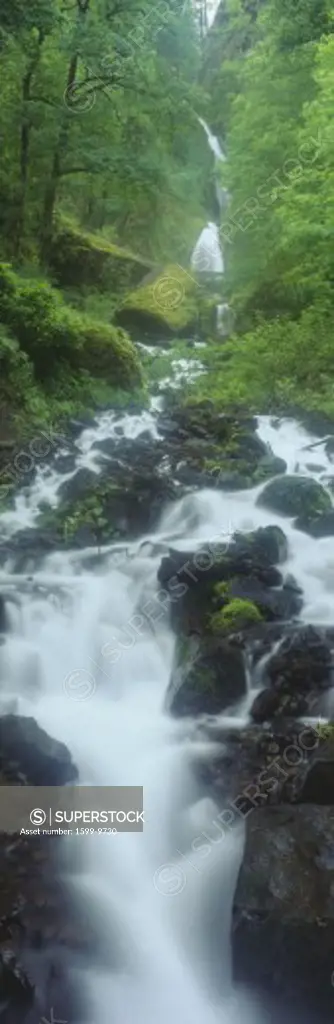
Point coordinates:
[[80, 258], [236, 615], [294, 496], [51, 332], [165, 306], [208, 676]]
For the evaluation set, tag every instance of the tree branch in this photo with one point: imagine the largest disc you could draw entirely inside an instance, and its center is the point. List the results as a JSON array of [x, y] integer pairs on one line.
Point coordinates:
[[43, 99]]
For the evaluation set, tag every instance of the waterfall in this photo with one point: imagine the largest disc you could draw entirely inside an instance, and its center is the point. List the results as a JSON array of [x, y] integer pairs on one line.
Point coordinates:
[[157, 895], [213, 141], [207, 257]]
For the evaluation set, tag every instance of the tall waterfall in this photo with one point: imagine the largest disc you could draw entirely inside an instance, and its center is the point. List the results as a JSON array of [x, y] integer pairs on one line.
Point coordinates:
[[207, 257]]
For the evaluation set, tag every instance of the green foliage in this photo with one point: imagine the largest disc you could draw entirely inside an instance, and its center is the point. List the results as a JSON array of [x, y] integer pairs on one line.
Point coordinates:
[[98, 111], [279, 170], [237, 614], [87, 513], [280, 364], [17, 386], [325, 730], [93, 511], [221, 589], [53, 334]]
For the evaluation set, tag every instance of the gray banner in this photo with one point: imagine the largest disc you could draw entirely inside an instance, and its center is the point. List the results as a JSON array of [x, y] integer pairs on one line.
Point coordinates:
[[71, 810]]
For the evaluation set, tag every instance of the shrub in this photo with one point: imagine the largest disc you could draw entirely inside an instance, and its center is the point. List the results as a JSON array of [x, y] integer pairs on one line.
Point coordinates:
[[280, 364], [51, 333]]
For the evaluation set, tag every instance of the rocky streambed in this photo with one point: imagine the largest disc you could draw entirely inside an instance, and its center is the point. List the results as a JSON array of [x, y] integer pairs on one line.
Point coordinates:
[[179, 564]]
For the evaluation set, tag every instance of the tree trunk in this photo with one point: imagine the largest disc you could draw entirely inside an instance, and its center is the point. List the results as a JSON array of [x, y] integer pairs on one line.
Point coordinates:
[[25, 145], [51, 191]]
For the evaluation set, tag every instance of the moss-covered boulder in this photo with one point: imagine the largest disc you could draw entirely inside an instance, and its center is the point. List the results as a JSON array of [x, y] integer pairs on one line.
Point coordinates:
[[237, 614], [165, 306], [294, 496], [50, 333], [80, 257], [208, 676]]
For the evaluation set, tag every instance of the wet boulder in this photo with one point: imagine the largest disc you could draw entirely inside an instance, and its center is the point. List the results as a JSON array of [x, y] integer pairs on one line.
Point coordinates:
[[200, 583], [26, 550], [16, 991], [303, 662], [283, 913], [273, 604], [208, 676], [3, 615], [298, 674], [271, 703], [318, 784], [294, 496], [256, 766], [42, 760], [267, 545], [78, 486], [245, 554], [317, 527]]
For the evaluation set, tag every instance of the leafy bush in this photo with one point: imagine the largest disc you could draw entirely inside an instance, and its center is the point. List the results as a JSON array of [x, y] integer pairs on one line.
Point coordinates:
[[281, 364], [51, 333]]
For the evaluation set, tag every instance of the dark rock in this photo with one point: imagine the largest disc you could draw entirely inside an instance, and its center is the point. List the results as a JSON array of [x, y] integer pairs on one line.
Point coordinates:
[[302, 668], [16, 991], [79, 485], [145, 437], [245, 555], [268, 544], [283, 913], [275, 604], [258, 766], [294, 496], [208, 676], [3, 615], [303, 662], [270, 465], [329, 448], [75, 427], [270, 703], [244, 564], [41, 759], [321, 526], [227, 481], [107, 445], [26, 549], [65, 463], [318, 787]]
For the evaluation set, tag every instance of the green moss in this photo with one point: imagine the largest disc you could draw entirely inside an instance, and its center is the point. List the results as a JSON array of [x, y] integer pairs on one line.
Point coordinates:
[[79, 258], [51, 333], [221, 589], [169, 301], [237, 614]]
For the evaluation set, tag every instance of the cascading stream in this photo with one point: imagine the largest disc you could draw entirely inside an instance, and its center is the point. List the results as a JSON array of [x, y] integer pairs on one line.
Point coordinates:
[[164, 908]]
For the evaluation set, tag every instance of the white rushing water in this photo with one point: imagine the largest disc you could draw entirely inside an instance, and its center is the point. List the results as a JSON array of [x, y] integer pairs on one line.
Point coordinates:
[[212, 140], [96, 680], [207, 257]]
